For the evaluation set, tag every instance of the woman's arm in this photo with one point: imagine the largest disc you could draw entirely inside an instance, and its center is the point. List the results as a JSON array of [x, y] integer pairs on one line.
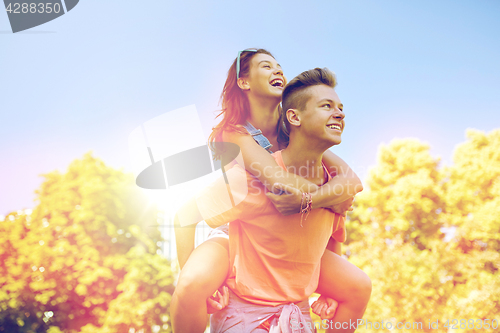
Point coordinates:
[[262, 165], [344, 185]]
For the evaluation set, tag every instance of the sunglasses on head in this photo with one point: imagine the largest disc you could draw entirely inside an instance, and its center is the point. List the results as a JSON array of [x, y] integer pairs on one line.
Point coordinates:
[[238, 62]]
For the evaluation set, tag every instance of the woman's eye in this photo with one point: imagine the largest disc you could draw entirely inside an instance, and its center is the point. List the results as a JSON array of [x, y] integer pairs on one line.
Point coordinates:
[[267, 66], [327, 105]]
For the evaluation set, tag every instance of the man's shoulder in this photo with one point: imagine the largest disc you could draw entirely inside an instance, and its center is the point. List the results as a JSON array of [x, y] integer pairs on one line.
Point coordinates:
[[279, 158]]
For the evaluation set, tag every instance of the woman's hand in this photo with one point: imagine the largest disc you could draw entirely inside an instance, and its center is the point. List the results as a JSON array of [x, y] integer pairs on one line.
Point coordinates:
[[286, 199], [343, 207], [218, 301], [325, 307]]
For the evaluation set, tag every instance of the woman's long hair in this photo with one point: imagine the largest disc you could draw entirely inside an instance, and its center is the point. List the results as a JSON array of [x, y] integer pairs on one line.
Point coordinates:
[[235, 106]]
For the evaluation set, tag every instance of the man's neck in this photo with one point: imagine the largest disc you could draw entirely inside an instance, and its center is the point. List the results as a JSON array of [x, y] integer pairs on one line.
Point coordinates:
[[304, 159], [264, 115]]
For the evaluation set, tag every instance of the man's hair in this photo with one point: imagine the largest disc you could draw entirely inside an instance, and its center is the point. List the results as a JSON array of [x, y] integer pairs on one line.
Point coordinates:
[[296, 93]]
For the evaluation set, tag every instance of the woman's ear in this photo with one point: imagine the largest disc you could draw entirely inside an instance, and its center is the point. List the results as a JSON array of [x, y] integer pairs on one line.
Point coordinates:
[[243, 84], [293, 117]]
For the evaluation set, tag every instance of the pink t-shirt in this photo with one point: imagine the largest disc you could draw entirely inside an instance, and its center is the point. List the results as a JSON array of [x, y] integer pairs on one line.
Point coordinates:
[[273, 259]]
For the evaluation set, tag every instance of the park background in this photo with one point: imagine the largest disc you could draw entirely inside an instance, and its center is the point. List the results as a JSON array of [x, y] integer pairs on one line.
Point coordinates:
[[419, 81]]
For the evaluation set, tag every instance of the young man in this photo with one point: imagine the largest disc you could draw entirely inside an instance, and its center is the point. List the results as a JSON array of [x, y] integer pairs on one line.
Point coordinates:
[[275, 259]]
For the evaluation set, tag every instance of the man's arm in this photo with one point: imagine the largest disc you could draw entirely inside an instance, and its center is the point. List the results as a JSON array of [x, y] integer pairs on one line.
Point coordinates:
[[218, 203], [185, 222]]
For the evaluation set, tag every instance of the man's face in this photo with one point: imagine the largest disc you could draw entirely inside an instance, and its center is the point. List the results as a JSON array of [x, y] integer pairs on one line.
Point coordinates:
[[323, 118]]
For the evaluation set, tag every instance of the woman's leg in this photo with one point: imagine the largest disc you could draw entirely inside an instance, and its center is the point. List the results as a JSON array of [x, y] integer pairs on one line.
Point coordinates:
[[204, 272], [349, 286]]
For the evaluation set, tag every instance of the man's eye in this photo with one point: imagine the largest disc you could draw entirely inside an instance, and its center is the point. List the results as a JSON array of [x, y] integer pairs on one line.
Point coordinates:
[[267, 66]]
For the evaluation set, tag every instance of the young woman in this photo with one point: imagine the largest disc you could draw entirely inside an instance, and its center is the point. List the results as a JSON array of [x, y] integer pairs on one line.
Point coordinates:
[[250, 100]]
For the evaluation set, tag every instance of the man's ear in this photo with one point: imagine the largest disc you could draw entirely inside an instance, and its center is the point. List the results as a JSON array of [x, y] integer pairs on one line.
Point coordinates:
[[243, 84], [293, 117]]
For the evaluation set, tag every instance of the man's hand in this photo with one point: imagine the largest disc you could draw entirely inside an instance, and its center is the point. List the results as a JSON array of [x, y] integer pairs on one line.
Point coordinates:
[[286, 199], [325, 307], [343, 207], [218, 301]]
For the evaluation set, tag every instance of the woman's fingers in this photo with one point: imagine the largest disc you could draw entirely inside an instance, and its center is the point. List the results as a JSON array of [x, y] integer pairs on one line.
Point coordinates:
[[279, 188], [287, 203]]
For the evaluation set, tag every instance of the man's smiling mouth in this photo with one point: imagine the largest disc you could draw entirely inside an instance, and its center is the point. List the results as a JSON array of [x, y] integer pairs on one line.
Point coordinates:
[[334, 126]]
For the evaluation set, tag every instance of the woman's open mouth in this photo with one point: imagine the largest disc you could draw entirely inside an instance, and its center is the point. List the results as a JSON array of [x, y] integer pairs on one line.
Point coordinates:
[[277, 82]]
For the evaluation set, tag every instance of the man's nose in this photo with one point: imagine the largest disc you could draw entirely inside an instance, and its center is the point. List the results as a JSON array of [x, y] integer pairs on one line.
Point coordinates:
[[338, 114]]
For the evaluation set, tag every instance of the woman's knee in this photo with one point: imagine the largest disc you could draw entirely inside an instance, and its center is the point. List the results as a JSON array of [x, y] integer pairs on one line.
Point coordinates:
[[193, 283], [363, 287], [205, 270]]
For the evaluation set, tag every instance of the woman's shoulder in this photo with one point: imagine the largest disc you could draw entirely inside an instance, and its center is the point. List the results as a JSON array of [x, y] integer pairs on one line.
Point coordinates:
[[234, 132]]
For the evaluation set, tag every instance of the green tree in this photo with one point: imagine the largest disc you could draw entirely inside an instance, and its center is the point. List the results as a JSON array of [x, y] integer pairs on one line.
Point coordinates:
[[85, 258], [472, 191], [404, 200], [418, 272], [394, 235]]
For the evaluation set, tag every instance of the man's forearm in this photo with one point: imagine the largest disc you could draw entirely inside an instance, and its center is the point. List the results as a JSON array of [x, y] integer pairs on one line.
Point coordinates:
[[185, 222], [184, 240]]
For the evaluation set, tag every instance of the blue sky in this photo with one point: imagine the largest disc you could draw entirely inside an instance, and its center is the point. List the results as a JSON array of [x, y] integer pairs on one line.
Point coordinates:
[[84, 81]]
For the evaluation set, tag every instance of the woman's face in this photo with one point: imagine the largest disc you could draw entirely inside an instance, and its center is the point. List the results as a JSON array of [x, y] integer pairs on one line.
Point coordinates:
[[266, 77]]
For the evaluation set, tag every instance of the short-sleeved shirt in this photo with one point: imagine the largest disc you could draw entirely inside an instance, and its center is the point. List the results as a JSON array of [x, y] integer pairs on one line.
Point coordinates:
[[273, 259]]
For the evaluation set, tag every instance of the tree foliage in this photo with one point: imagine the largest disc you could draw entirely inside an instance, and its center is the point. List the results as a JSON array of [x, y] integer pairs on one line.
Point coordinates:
[[85, 259], [429, 237]]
